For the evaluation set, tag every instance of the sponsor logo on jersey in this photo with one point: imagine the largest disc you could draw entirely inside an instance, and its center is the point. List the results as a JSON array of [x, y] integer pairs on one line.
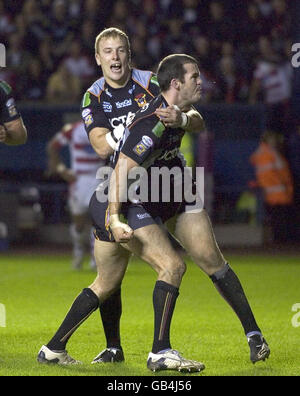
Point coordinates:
[[142, 216], [124, 119], [10, 104], [130, 91], [148, 142], [140, 149], [108, 93], [86, 101], [107, 107], [125, 103], [167, 156], [158, 129], [141, 99], [85, 112], [88, 120]]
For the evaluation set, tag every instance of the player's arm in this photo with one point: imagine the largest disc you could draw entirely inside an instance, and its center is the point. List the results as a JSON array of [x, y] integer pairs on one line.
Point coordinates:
[[135, 151], [103, 138], [13, 133], [104, 141], [190, 120], [55, 162], [118, 194]]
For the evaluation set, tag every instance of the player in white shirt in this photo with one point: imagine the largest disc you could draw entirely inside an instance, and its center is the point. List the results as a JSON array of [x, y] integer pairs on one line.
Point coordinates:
[[81, 176]]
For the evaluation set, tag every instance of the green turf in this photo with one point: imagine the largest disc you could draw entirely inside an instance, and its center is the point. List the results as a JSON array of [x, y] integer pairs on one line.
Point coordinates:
[[37, 291]]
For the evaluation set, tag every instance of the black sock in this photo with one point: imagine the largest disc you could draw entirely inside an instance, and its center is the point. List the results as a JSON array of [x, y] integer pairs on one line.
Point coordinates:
[[111, 311], [164, 299], [231, 290], [81, 309]]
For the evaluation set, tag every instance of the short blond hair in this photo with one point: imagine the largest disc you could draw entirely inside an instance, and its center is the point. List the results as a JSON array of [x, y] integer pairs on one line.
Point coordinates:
[[114, 33]]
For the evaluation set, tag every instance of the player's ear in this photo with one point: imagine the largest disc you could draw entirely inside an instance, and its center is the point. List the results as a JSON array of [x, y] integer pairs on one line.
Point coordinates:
[[174, 83], [97, 57]]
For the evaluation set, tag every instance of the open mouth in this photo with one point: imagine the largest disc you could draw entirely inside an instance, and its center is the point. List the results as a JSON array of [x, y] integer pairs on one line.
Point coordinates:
[[116, 67]]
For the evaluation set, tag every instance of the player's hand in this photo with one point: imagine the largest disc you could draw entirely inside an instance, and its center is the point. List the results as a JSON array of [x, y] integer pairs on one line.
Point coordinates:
[[171, 116], [3, 134], [122, 234], [69, 176], [121, 231]]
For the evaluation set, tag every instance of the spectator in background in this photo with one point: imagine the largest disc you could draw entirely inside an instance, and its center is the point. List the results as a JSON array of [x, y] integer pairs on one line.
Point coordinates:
[[139, 58], [6, 23], [177, 41], [218, 26], [265, 7], [254, 26], [37, 26], [203, 53], [119, 17], [190, 15], [34, 82], [46, 57], [60, 28], [274, 177], [280, 18], [273, 79], [78, 64], [231, 86], [18, 60], [293, 153], [63, 87], [87, 36]]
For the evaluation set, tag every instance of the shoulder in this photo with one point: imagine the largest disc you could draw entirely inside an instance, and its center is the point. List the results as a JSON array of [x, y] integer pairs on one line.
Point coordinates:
[[147, 79], [97, 87], [146, 115], [93, 92]]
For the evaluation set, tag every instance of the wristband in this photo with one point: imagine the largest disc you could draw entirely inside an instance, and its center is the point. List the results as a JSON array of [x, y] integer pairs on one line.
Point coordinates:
[[110, 140], [184, 118], [114, 136]]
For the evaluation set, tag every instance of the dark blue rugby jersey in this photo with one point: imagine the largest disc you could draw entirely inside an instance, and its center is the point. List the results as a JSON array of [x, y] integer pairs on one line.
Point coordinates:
[[149, 142], [8, 110], [106, 107]]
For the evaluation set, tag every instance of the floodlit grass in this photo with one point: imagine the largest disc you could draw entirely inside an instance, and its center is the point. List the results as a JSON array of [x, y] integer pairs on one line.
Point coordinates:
[[37, 291]]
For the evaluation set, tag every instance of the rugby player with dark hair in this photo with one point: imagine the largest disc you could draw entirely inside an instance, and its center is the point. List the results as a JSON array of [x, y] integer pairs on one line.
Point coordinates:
[[147, 141]]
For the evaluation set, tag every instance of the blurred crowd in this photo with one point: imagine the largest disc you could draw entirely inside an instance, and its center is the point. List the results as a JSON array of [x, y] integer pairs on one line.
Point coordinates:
[[239, 45]]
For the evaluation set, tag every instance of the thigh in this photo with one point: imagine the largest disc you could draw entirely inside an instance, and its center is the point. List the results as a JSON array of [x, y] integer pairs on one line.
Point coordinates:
[[111, 260], [195, 232], [151, 244]]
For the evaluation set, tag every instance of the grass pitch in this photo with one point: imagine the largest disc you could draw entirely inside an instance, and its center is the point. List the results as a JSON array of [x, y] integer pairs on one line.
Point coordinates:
[[37, 290]]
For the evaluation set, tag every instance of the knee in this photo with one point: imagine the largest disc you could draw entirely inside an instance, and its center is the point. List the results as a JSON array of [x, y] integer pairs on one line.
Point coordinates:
[[103, 290], [210, 261], [172, 271]]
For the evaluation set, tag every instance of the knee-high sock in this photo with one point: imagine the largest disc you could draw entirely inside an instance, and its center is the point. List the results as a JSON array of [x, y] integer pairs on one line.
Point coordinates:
[[229, 286], [111, 311], [164, 300], [84, 304]]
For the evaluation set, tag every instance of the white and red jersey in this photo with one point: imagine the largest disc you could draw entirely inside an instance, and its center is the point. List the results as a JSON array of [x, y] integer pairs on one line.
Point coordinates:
[[83, 159], [275, 80]]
